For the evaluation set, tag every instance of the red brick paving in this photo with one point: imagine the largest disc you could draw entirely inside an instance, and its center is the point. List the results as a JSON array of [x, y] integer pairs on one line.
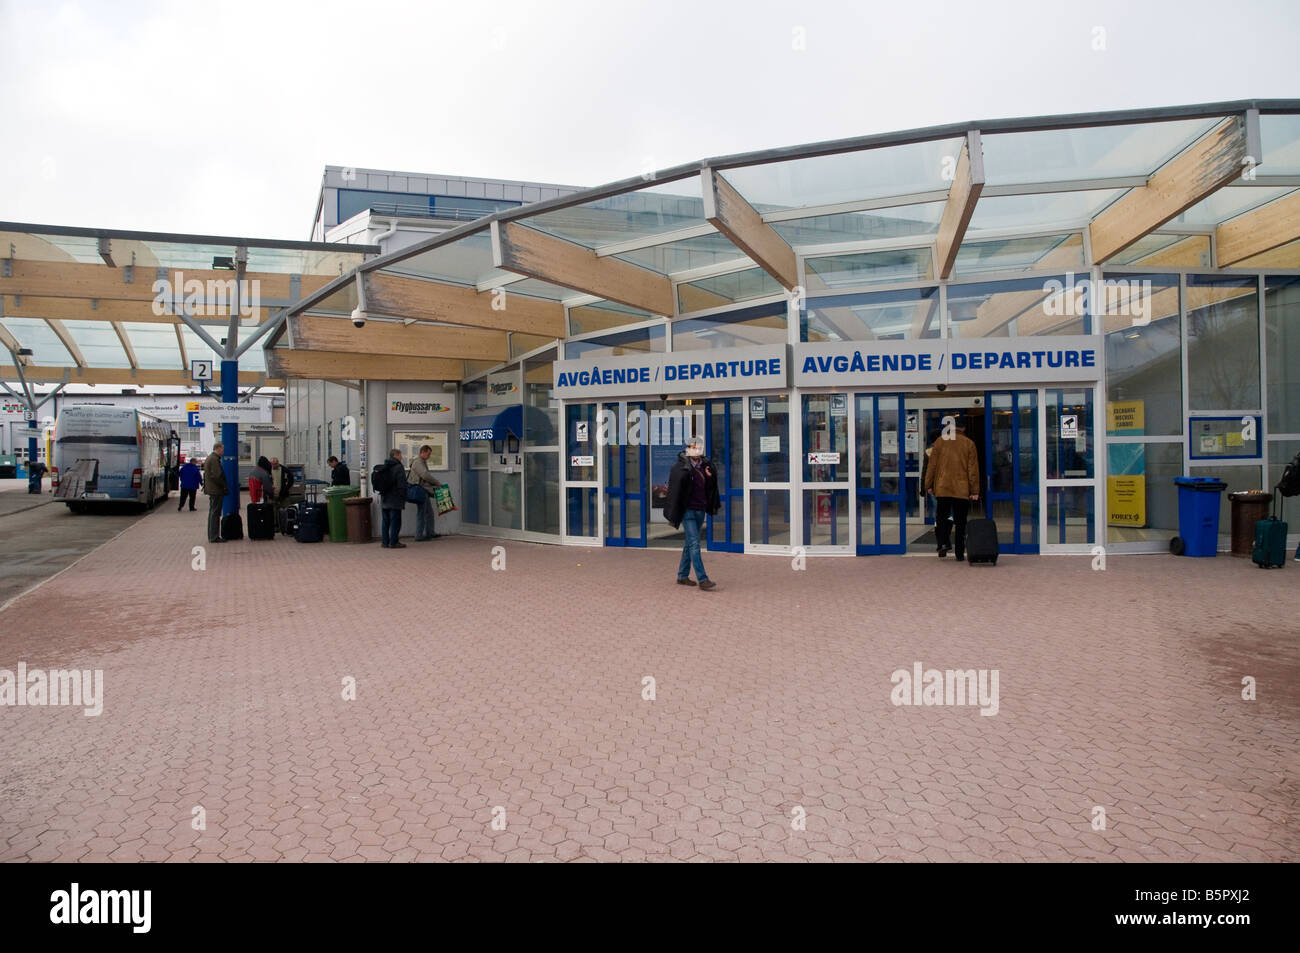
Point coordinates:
[[522, 689]]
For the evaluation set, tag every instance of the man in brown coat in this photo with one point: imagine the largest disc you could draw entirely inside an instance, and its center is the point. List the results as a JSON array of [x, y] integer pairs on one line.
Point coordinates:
[[952, 476], [215, 489]]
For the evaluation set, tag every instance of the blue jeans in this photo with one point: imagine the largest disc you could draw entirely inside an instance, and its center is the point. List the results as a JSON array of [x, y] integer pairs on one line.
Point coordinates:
[[424, 518], [392, 526], [692, 525]]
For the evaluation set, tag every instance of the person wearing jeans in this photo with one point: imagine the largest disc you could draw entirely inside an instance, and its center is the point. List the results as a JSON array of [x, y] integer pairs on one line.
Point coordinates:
[[392, 498], [692, 497]]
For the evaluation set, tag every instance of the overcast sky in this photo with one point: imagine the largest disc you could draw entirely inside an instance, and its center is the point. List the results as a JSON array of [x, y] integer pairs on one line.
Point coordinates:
[[218, 118]]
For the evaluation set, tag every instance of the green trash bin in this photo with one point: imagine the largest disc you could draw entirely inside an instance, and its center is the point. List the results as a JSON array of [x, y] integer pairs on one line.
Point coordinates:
[[338, 519]]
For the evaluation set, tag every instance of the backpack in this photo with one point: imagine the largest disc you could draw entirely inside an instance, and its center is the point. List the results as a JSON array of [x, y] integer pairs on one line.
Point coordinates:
[[381, 479], [1289, 485]]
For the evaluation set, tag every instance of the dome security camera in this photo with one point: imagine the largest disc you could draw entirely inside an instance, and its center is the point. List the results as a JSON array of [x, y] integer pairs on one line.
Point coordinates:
[[358, 318], [943, 387]]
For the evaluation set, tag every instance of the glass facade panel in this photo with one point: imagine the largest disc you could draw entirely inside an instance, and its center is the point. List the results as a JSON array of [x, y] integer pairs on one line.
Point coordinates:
[[1144, 366], [1045, 209], [908, 313], [505, 499], [34, 333], [769, 517], [903, 221], [583, 511], [581, 436], [1141, 496], [1280, 138], [826, 517], [834, 272], [474, 492], [1070, 515], [1017, 307], [748, 327], [1222, 343], [635, 341], [542, 484], [826, 438], [541, 411], [769, 439], [604, 316], [1069, 434], [1051, 253], [727, 289], [661, 208], [1282, 352]]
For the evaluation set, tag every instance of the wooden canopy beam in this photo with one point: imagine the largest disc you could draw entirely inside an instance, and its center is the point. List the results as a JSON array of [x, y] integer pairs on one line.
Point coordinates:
[[330, 365], [728, 212], [128, 377], [313, 332], [65, 336], [60, 279], [1258, 231], [526, 251], [431, 301], [967, 184], [126, 345], [93, 309], [1201, 169]]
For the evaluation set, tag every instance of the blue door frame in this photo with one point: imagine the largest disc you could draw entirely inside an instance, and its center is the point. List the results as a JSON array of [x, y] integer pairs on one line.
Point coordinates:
[[725, 534], [874, 494], [1023, 538], [617, 467]]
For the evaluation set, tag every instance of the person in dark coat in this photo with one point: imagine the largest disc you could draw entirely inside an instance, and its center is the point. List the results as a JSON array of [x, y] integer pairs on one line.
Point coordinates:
[[191, 478], [393, 499], [259, 481], [339, 475], [215, 489], [692, 496]]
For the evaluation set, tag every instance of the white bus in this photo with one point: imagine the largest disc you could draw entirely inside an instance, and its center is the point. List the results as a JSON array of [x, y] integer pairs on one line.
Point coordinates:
[[104, 454]]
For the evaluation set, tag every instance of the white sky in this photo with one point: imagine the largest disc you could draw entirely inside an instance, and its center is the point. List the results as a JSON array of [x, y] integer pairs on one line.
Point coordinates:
[[218, 118]]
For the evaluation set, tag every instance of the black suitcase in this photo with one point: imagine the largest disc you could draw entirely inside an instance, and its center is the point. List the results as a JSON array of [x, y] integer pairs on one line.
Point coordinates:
[[232, 527], [289, 521], [311, 522], [982, 542], [261, 521]]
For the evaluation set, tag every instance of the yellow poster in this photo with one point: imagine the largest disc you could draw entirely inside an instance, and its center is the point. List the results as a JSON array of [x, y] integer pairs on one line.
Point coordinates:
[[1127, 417], [1126, 500]]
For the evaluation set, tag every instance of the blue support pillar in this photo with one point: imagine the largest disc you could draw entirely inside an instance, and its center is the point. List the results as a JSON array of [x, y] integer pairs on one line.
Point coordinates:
[[230, 437], [31, 452]]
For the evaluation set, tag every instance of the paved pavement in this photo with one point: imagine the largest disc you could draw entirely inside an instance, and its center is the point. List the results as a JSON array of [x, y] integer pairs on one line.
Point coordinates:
[[516, 696], [37, 539]]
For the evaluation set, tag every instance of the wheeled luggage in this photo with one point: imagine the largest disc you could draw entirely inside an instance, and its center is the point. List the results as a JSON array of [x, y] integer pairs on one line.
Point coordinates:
[[232, 527], [982, 542], [289, 521], [311, 522], [1270, 542], [261, 521]]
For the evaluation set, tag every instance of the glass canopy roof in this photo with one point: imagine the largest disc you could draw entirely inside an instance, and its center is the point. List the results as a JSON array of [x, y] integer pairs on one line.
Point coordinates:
[[879, 203], [90, 317]]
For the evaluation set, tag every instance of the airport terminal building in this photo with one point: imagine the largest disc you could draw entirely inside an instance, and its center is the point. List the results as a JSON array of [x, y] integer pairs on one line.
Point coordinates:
[[1104, 302]]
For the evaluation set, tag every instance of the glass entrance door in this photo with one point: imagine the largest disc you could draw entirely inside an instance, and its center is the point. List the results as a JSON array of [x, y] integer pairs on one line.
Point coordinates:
[[622, 431], [725, 439], [1011, 468], [880, 480]]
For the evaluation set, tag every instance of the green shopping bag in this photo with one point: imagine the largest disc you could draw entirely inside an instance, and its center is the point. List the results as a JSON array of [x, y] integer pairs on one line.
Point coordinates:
[[442, 499]]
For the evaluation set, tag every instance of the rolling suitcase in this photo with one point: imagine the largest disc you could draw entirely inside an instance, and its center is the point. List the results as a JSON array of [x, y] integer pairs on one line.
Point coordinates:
[[311, 522], [982, 542], [261, 521], [289, 521], [1270, 542], [232, 527]]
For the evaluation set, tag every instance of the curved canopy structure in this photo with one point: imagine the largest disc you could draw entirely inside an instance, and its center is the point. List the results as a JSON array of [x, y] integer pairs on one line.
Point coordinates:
[[99, 306], [1214, 186]]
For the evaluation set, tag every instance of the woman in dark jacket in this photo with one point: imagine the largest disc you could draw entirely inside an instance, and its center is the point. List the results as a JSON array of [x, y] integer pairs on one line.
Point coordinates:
[[392, 499], [692, 495]]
